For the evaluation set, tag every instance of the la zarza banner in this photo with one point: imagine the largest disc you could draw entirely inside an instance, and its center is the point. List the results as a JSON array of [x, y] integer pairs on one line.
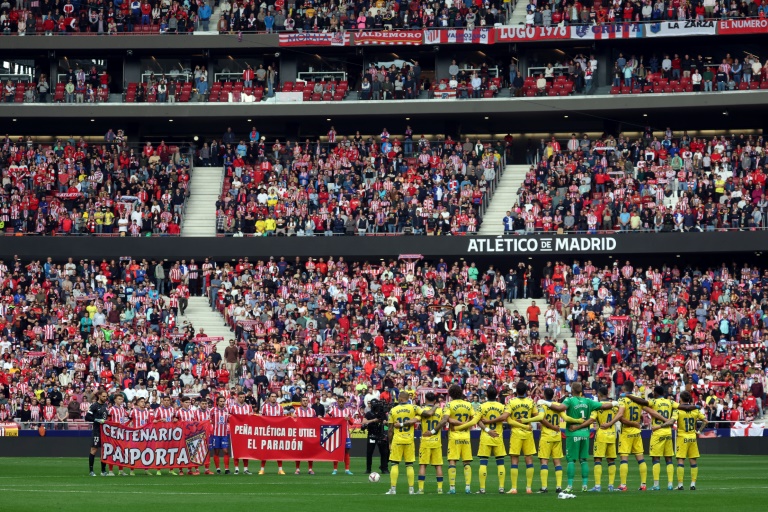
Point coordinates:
[[287, 438], [156, 445]]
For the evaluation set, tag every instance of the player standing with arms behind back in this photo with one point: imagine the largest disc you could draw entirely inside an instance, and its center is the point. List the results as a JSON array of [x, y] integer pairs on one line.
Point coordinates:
[[97, 413], [118, 414], [219, 442], [241, 408], [459, 413], [687, 443], [305, 411], [431, 445], [578, 407], [402, 419]]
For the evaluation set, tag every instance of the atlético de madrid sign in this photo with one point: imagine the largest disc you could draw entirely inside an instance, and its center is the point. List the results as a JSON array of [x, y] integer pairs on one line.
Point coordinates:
[[538, 244]]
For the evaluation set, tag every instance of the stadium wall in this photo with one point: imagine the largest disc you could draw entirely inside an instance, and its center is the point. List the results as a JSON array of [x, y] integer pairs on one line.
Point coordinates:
[[77, 443], [354, 247]]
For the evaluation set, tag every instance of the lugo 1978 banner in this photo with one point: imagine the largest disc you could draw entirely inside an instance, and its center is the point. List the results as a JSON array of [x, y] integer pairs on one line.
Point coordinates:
[[156, 445], [287, 438]]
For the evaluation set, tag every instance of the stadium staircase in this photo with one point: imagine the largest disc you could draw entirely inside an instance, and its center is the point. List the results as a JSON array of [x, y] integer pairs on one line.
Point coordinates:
[[503, 199], [205, 190], [565, 333], [200, 314], [518, 14]]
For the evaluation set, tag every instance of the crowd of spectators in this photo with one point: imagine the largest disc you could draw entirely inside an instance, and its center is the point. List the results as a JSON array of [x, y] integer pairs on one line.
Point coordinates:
[[542, 13], [50, 17], [702, 74], [75, 187], [350, 185], [664, 182], [325, 328]]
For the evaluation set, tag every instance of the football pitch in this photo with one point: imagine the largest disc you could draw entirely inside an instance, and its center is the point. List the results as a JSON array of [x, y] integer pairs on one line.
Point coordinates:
[[726, 483]]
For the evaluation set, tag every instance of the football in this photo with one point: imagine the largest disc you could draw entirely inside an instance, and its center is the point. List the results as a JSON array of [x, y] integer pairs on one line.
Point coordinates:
[[374, 477]]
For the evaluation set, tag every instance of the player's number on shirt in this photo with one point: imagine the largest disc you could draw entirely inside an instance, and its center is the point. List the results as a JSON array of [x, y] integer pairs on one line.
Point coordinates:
[[521, 415], [404, 428], [462, 417], [432, 424], [554, 419], [690, 424], [634, 414]]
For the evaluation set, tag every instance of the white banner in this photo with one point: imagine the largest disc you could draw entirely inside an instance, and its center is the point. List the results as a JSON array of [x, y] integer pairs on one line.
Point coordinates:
[[740, 429], [681, 28]]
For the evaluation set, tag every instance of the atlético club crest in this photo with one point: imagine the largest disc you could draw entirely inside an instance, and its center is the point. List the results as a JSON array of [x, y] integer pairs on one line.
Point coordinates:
[[330, 437]]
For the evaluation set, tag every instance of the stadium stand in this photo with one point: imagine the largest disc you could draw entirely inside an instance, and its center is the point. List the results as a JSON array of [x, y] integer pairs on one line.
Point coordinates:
[[108, 188]]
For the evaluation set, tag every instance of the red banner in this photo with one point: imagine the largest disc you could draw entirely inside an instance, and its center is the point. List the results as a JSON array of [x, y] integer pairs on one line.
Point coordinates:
[[156, 445], [69, 195], [314, 39], [410, 37], [745, 26], [287, 438], [512, 34]]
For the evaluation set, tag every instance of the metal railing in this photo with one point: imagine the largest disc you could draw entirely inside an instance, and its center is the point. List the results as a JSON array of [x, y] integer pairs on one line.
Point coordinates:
[[314, 76]]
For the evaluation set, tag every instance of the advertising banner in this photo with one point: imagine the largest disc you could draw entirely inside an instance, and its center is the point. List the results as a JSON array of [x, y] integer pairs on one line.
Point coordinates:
[[9, 429], [287, 438], [512, 34], [390, 37], [681, 28], [314, 39], [618, 31], [156, 445], [745, 26], [460, 36]]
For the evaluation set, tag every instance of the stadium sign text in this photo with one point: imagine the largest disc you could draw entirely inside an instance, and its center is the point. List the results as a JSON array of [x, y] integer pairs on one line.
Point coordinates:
[[538, 245]]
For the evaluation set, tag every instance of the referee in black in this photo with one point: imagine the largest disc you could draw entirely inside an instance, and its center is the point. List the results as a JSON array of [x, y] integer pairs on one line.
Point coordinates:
[[98, 413]]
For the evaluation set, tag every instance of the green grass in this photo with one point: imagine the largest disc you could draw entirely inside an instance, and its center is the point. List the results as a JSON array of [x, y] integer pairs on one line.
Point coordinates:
[[726, 483]]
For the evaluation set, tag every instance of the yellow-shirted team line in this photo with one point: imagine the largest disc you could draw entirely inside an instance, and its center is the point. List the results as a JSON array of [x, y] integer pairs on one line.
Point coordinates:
[[520, 413]]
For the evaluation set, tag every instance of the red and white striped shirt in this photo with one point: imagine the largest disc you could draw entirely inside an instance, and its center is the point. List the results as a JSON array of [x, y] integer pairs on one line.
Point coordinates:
[[242, 409], [164, 414], [220, 421], [183, 414], [139, 417], [117, 414], [272, 410], [309, 412]]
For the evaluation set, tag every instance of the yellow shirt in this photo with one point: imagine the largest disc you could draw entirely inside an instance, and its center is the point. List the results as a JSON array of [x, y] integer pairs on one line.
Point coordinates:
[[554, 417], [491, 411], [686, 422], [632, 412], [520, 409], [664, 407], [460, 410], [400, 414], [260, 225], [604, 416], [428, 424], [91, 309], [270, 224]]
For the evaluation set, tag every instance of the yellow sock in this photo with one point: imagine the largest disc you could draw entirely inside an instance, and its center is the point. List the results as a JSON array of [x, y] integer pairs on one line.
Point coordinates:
[[643, 472], [501, 470], [528, 477], [680, 474], [513, 476], [558, 476], [394, 472], [611, 473], [670, 473], [439, 484], [544, 473], [598, 474], [452, 476], [623, 472], [694, 474], [483, 472], [409, 474], [421, 483], [467, 474], [656, 471]]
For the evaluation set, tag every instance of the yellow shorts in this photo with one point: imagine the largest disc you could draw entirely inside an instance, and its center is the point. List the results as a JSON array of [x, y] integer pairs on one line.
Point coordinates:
[[431, 455], [519, 446], [687, 448], [488, 450], [604, 450], [551, 449], [662, 445], [630, 444], [402, 453], [459, 449]]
